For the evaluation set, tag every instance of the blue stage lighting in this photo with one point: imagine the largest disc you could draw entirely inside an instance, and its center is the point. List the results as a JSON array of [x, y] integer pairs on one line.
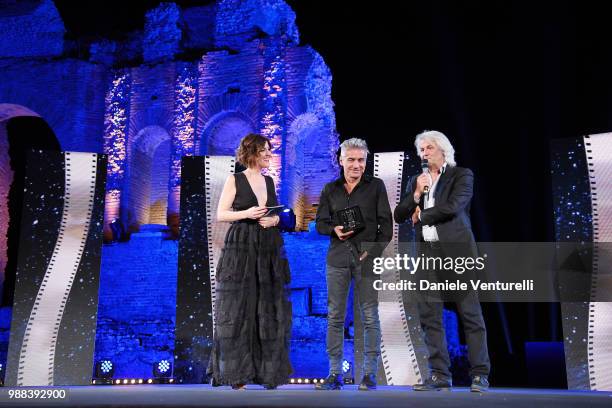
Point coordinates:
[[163, 366], [106, 366], [346, 366], [162, 369], [105, 369]]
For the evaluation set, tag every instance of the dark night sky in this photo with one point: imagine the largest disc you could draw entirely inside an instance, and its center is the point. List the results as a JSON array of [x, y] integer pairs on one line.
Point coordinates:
[[109, 18]]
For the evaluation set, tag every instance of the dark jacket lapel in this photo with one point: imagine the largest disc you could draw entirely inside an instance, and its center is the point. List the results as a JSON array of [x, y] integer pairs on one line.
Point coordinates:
[[444, 178]]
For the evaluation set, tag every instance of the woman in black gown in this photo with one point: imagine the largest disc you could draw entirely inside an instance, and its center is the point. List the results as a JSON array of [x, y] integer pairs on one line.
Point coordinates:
[[252, 312]]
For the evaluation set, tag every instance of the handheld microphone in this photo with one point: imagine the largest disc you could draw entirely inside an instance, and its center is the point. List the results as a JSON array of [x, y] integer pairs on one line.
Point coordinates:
[[425, 167]]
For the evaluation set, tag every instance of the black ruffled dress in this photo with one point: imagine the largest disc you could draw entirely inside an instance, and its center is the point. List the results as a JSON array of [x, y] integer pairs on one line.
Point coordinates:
[[252, 310]]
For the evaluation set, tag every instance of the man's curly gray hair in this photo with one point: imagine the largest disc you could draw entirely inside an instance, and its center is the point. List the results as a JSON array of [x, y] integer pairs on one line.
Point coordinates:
[[440, 140]]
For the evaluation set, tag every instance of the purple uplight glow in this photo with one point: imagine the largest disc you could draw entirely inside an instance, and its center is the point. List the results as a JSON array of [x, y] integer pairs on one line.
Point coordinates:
[[115, 128], [274, 107], [183, 140]]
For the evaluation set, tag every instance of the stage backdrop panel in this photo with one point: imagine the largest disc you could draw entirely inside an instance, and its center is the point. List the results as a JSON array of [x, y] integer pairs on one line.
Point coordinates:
[[582, 194], [402, 349], [599, 160], [573, 223], [56, 290], [200, 243]]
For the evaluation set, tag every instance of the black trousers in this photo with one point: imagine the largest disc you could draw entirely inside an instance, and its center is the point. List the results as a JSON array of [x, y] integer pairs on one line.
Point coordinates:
[[470, 313]]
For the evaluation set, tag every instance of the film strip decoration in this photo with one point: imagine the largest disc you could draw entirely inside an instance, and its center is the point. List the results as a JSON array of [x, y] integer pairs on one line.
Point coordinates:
[[58, 270], [571, 193], [200, 242], [400, 363], [599, 160], [217, 170]]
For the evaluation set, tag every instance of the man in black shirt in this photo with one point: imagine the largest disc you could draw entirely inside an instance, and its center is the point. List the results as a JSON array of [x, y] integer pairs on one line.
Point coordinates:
[[347, 256]]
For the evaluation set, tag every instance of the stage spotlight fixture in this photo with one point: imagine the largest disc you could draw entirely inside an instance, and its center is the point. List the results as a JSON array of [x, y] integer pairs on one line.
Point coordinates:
[[287, 220], [105, 369], [162, 369], [346, 366], [162, 372], [347, 371]]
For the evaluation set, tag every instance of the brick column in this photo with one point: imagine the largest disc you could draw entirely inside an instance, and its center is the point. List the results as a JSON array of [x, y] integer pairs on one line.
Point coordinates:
[[117, 103], [274, 108], [183, 135]]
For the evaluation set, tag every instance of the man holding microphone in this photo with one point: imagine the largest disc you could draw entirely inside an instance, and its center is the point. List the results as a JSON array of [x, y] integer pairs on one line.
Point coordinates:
[[438, 204]]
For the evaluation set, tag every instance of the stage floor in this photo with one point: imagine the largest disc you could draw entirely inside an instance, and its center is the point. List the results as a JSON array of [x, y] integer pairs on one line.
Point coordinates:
[[305, 396]]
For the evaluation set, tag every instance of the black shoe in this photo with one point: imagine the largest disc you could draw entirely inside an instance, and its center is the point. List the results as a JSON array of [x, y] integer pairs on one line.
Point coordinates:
[[368, 382], [433, 383], [332, 382], [270, 386], [480, 383]]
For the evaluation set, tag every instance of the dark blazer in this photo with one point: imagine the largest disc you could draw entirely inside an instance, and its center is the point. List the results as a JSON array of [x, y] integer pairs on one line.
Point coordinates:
[[451, 212]]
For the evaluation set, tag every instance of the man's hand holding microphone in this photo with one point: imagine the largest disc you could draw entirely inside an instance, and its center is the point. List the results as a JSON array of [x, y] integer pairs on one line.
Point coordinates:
[[423, 184]]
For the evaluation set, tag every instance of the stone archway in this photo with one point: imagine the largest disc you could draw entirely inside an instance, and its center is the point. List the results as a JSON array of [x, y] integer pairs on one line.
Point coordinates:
[[149, 175], [9, 111], [223, 132], [21, 129]]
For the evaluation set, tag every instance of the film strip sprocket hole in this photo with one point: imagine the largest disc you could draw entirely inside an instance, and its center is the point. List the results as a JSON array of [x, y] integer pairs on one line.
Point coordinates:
[[598, 151], [217, 169]]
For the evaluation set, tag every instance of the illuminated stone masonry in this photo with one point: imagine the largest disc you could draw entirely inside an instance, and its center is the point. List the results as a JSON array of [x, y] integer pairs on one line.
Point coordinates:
[[251, 76], [192, 82]]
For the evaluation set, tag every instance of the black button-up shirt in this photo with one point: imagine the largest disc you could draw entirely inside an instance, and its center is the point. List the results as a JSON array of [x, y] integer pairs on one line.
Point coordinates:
[[370, 195]]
